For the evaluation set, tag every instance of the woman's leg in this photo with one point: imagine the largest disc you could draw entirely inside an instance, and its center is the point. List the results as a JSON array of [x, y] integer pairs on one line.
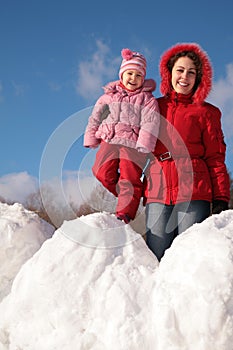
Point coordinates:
[[165, 222], [158, 220], [191, 213]]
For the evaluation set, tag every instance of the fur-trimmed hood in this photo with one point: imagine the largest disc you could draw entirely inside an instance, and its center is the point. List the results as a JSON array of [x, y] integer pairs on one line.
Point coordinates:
[[205, 85]]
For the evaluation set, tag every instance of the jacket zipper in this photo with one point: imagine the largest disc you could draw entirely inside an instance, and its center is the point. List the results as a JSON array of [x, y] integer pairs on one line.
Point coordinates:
[[170, 163]]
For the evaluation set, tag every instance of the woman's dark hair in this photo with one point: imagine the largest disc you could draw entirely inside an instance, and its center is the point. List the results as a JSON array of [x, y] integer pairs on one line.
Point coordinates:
[[196, 60]]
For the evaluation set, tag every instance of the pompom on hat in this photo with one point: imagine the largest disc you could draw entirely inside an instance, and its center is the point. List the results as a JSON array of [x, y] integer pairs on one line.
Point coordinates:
[[132, 60]]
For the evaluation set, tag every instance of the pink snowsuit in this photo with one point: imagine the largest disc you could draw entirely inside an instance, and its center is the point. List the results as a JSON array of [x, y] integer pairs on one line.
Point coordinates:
[[126, 125]]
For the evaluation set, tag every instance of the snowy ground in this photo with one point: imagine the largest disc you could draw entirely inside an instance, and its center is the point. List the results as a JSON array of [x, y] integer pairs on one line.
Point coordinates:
[[94, 285]]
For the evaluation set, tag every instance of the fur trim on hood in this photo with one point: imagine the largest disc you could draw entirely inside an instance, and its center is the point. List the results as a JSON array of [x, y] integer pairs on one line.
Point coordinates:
[[205, 85]]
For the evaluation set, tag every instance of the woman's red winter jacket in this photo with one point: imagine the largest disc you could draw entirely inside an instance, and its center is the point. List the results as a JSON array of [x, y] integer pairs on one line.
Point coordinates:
[[189, 157], [192, 141]]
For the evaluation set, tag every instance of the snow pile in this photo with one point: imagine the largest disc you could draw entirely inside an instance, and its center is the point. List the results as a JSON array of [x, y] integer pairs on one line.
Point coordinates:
[[194, 292], [70, 296], [94, 285], [22, 233]]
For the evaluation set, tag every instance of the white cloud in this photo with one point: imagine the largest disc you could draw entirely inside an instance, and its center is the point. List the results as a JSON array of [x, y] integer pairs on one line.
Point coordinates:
[[60, 197], [75, 188], [222, 96], [17, 186], [96, 71], [78, 186], [19, 89]]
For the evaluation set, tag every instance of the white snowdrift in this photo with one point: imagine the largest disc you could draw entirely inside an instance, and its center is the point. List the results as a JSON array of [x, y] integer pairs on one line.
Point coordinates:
[[101, 288], [22, 233]]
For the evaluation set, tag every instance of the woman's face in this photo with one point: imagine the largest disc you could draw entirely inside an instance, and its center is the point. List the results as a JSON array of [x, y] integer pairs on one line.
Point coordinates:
[[183, 75]]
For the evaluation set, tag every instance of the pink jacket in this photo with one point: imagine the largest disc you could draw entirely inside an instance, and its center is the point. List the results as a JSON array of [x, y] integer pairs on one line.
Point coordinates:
[[126, 118]]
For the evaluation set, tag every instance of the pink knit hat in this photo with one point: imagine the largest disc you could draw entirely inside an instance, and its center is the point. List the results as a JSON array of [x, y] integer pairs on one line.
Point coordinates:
[[132, 60]]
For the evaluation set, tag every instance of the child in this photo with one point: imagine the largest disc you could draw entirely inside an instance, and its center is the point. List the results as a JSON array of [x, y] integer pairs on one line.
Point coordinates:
[[125, 122]]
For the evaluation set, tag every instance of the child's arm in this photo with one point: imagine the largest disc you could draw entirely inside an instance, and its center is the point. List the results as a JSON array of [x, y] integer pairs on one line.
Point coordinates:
[[99, 113], [149, 127]]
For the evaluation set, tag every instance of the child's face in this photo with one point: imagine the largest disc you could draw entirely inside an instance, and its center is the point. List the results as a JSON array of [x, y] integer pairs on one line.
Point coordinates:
[[132, 79], [183, 75]]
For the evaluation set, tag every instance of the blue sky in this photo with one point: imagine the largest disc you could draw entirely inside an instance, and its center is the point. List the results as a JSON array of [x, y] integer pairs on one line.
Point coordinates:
[[56, 56]]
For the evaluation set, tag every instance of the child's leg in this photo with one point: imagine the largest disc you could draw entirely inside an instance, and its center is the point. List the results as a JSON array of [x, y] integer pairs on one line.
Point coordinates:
[[106, 166], [129, 183]]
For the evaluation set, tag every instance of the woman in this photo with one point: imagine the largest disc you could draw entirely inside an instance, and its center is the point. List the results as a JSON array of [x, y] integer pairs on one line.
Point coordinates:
[[188, 171]]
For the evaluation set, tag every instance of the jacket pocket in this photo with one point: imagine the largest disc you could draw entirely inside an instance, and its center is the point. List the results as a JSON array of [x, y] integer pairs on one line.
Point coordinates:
[[194, 180], [127, 131], [155, 181], [105, 131], [185, 182], [201, 178]]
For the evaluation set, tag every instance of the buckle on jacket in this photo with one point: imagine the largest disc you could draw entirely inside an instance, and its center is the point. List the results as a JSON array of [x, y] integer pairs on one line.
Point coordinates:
[[165, 156]]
